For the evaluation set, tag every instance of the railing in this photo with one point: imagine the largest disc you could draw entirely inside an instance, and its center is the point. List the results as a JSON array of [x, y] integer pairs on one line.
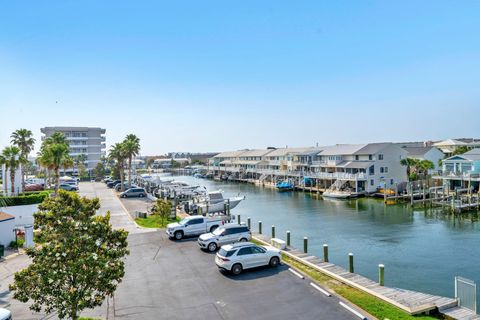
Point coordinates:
[[319, 175], [460, 175]]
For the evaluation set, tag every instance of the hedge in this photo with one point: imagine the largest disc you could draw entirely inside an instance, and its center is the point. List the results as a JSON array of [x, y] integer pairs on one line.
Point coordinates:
[[25, 199]]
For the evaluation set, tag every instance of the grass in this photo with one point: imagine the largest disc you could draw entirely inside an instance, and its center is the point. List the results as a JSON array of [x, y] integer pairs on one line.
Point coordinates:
[[374, 306], [155, 221]]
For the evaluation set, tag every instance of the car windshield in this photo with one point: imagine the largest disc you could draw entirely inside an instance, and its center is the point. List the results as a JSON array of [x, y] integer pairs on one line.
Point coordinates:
[[218, 231], [184, 222], [226, 253]]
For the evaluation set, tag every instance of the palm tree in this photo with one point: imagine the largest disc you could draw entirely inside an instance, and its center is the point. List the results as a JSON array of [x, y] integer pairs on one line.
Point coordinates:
[[132, 148], [411, 165], [11, 158], [118, 155], [23, 139], [54, 154], [80, 159]]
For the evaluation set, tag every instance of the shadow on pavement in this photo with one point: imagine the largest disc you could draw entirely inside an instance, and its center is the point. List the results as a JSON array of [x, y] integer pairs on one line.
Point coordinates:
[[255, 273]]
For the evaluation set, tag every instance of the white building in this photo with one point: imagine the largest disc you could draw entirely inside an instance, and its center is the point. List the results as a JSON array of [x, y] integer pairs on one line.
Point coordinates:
[[7, 226], [7, 185], [82, 140], [360, 167]]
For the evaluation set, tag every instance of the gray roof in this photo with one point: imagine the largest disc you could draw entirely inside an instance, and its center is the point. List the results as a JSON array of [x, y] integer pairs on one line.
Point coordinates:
[[417, 151], [341, 149], [285, 151], [373, 148], [256, 153], [229, 154], [472, 155]]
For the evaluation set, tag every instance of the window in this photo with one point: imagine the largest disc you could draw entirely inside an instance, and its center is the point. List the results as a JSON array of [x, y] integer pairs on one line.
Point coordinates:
[[370, 157], [380, 157], [257, 250], [371, 170], [244, 251], [391, 181], [196, 221], [357, 157], [225, 253], [386, 169], [371, 182], [381, 169]]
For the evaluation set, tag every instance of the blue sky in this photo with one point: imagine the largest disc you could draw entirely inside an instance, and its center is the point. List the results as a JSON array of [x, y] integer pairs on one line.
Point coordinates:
[[221, 75]]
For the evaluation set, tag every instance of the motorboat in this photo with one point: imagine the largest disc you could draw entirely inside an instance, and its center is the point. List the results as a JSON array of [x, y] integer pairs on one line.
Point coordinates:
[[215, 202], [285, 186], [336, 194]]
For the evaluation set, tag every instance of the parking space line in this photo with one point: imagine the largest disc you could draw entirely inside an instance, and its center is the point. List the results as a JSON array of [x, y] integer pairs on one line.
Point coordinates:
[[320, 289], [296, 273], [355, 312]]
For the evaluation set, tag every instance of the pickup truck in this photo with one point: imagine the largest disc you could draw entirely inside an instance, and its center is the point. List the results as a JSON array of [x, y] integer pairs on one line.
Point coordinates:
[[194, 226]]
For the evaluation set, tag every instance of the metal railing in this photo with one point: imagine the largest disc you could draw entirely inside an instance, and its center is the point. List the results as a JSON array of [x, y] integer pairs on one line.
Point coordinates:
[[466, 293]]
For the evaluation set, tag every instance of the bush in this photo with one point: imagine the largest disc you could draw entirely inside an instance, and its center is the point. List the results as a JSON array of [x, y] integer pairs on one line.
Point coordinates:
[[27, 198], [17, 244]]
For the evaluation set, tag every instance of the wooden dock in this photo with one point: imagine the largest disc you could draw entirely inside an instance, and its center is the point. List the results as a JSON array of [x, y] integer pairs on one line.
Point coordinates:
[[411, 302]]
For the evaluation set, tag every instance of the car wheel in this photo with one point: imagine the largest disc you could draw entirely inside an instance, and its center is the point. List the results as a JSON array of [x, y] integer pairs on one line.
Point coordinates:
[[243, 240], [178, 235], [124, 196], [213, 228], [141, 195], [237, 269], [274, 262], [212, 247]]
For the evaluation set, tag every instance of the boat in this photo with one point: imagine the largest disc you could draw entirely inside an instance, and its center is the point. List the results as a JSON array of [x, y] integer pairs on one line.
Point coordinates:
[[216, 202], [285, 186], [337, 194]]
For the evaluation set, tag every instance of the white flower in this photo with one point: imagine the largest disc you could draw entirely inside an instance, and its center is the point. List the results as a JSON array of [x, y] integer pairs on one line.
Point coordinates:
[[98, 242], [95, 256]]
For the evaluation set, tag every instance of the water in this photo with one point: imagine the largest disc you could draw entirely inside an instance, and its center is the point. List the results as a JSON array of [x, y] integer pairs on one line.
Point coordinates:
[[422, 250]]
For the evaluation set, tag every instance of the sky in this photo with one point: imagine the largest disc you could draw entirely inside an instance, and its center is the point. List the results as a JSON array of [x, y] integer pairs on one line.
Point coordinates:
[[205, 76]]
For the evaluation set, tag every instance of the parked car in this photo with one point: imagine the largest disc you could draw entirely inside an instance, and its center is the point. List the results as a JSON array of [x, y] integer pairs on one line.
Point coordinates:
[[134, 193], [5, 314], [33, 187], [227, 234], [245, 255], [118, 186], [68, 187], [193, 226], [113, 183]]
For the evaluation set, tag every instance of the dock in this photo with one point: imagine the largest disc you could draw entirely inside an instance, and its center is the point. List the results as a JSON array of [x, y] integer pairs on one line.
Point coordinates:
[[412, 302]]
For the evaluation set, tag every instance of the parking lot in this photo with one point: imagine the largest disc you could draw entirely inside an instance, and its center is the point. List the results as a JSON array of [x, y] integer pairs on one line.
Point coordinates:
[[176, 280]]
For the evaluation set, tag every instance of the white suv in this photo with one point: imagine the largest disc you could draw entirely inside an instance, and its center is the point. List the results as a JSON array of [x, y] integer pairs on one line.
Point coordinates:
[[227, 234], [245, 255]]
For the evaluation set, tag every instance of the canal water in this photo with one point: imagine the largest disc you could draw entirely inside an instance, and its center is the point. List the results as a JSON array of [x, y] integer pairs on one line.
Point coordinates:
[[422, 250]]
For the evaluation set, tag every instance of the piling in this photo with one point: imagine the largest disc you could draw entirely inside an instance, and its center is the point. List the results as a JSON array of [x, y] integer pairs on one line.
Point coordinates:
[[260, 227], [249, 223], [381, 274], [350, 263], [273, 231], [305, 244], [288, 238], [238, 218], [325, 253]]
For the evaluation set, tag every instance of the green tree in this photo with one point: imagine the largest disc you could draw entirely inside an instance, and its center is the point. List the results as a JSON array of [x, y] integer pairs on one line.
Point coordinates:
[[460, 150], [82, 171], [23, 139], [162, 208], [99, 170], [80, 160], [417, 168], [132, 148], [54, 155], [80, 261], [118, 155], [11, 158]]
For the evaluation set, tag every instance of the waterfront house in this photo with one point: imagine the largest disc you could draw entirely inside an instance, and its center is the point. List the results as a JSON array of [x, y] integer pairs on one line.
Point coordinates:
[[227, 161], [432, 154], [360, 168], [251, 161], [283, 159], [461, 171]]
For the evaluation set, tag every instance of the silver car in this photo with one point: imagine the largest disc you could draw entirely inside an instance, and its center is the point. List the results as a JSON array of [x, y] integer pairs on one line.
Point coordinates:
[[133, 193], [226, 234]]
